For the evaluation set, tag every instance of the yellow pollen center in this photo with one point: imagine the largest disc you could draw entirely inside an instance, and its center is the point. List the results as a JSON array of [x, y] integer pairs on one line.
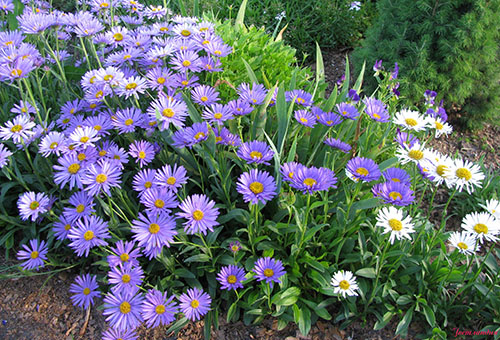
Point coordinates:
[[124, 257], [126, 278], [108, 77], [171, 180], [80, 208], [89, 235], [376, 115], [161, 80], [84, 139], [395, 195], [93, 105], [16, 72], [256, 154], [463, 173], [131, 86], [148, 185], [310, 182], [65, 120], [268, 272], [154, 228], [198, 215], [329, 122], [199, 135], [67, 227], [205, 42], [53, 145], [397, 180], [101, 178], [186, 33], [395, 224], [81, 156], [235, 248], [362, 171], [160, 309], [34, 254], [125, 307], [218, 115], [290, 174], [441, 169], [411, 122], [439, 126], [16, 128], [303, 120], [34, 205], [142, 155], [184, 82], [301, 100], [217, 52], [86, 291], [231, 279], [169, 113], [129, 122], [256, 187], [462, 245], [159, 203], [99, 94], [344, 285], [204, 98], [481, 228], [104, 5], [218, 139], [102, 153], [118, 36], [127, 56], [416, 154], [186, 63], [73, 168]]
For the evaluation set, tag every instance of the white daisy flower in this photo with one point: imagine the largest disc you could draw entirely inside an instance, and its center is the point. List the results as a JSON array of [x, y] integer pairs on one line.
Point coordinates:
[[465, 242], [19, 129], [344, 283], [482, 225], [441, 127], [417, 153], [493, 207], [84, 136], [466, 174], [438, 167], [411, 120], [391, 219]]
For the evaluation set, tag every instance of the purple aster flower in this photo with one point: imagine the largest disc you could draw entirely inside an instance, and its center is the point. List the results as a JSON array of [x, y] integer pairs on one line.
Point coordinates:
[[114, 334], [117, 156], [195, 134], [234, 246], [125, 254], [186, 60], [159, 200], [224, 136], [254, 95], [159, 77], [85, 290], [62, 227], [255, 152], [256, 186], [4, 155], [84, 137], [305, 118], [230, 277], [240, 107], [142, 151], [394, 193], [347, 111], [406, 139], [168, 111], [218, 49], [330, 119], [34, 257], [210, 65], [101, 177], [52, 143], [88, 233], [69, 170], [132, 86], [397, 175], [301, 97], [184, 80], [123, 309], [195, 303], [158, 308], [19, 129], [269, 270], [172, 178], [200, 214], [217, 114], [313, 179], [143, 181], [81, 205], [376, 109], [125, 277], [288, 170], [205, 95], [153, 231], [127, 120], [32, 204], [360, 168], [338, 144]]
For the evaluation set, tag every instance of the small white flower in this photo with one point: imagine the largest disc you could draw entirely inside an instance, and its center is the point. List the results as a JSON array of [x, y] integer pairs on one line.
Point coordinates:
[[344, 283], [439, 167], [417, 153], [482, 225], [19, 129], [465, 242], [441, 126], [466, 174], [493, 207], [411, 120], [84, 136], [391, 219]]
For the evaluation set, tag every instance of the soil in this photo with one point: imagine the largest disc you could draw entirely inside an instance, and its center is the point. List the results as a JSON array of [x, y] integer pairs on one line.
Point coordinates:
[[39, 307]]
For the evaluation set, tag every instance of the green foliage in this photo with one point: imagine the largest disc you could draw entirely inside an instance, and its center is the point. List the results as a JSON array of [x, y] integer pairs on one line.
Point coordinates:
[[447, 46]]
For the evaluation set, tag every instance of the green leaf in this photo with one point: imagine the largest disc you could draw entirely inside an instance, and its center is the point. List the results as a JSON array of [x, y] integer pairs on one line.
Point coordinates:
[[366, 272], [198, 258], [183, 272], [369, 203], [404, 300], [240, 18], [320, 68], [231, 312], [288, 297], [178, 325], [388, 163], [385, 320], [250, 72], [429, 315], [402, 327], [359, 81], [305, 321], [323, 313]]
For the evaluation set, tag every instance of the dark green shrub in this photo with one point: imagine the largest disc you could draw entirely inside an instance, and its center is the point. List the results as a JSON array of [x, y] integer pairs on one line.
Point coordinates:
[[451, 47]]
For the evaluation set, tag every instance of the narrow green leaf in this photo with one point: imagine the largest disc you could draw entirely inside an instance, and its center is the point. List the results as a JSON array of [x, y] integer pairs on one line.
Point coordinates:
[[366, 272], [429, 315], [320, 68], [402, 327], [250, 72], [240, 18], [359, 81]]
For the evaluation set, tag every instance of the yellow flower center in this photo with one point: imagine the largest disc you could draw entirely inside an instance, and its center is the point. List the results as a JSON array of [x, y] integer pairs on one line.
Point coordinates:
[[148, 184], [101, 178], [80, 208], [481, 228], [310, 182], [441, 169], [376, 115], [108, 77], [102, 153], [199, 135], [125, 307], [186, 63], [256, 154], [186, 33], [344, 285], [397, 180], [129, 122], [169, 113], [81, 156], [395, 195], [118, 36], [198, 215], [217, 52], [53, 145], [411, 122], [204, 98], [160, 80], [416, 155], [67, 227], [127, 56], [231, 279], [154, 228], [126, 278], [142, 155], [329, 122], [303, 120], [34, 254], [301, 100], [104, 5], [124, 257], [159, 203], [86, 291], [395, 224], [256, 187], [439, 126], [16, 72], [160, 309], [84, 139], [218, 115], [462, 245], [268, 272], [235, 248], [130, 86], [184, 82], [218, 139], [16, 128], [88, 235], [34, 205], [93, 105], [362, 171], [463, 173], [171, 180]]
